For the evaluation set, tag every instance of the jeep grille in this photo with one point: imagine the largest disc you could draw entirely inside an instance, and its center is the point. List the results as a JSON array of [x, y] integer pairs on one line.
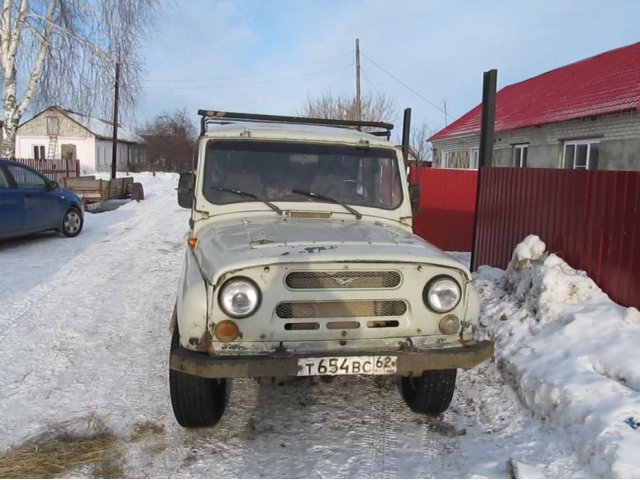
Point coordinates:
[[343, 309], [353, 280]]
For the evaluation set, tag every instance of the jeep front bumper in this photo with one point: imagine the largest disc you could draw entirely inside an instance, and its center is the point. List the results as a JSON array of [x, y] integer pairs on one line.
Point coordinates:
[[410, 363]]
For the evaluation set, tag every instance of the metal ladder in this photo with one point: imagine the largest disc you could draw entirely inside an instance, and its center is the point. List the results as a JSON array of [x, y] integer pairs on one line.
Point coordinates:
[[53, 143]]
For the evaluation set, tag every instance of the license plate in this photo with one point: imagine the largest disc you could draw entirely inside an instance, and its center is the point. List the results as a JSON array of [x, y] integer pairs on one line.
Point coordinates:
[[369, 365]]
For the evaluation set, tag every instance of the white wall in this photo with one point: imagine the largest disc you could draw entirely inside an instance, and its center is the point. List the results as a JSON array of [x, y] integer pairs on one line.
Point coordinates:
[[85, 150], [104, 151]]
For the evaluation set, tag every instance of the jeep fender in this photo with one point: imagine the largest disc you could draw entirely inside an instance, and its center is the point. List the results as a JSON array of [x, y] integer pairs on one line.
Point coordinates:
[[191, 306]]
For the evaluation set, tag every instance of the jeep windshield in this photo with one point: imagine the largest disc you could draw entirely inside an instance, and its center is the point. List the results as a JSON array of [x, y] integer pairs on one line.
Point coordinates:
[[280, 171]]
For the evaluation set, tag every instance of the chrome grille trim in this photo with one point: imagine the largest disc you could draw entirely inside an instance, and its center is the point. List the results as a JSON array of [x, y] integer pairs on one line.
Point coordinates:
[[341, 309], [342, 280]]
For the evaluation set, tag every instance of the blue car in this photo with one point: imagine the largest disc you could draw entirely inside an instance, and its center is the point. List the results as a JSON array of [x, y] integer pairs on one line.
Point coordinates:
[[31, 203]]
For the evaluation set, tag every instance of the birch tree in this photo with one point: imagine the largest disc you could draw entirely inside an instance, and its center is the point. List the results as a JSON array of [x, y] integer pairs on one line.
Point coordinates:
[[63, 52]]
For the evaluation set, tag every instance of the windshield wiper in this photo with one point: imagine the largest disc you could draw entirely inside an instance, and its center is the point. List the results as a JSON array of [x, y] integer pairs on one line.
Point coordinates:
[[247, 194], [328, 199]]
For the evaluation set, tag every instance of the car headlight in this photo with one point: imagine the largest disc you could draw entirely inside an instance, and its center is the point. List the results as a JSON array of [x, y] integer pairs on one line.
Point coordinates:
[[239, 297], [442, 294]]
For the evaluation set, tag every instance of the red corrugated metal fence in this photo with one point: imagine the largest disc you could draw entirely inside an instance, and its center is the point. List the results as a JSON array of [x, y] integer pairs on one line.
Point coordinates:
[[589, 218], [447, 207]]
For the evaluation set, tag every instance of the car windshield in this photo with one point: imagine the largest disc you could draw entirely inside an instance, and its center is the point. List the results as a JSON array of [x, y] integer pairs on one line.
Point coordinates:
[[274, 171]]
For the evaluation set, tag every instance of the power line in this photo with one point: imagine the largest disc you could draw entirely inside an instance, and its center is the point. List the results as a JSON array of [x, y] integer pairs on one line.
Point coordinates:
[[405, 85], [204, 87], [236, 77], [366, 77]]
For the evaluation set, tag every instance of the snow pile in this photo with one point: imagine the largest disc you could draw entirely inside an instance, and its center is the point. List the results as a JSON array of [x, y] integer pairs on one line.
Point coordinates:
[[571, 353]]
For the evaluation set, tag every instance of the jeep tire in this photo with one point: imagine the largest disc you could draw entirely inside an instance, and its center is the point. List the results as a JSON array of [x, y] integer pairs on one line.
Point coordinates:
[[430, 393], [196, 401]]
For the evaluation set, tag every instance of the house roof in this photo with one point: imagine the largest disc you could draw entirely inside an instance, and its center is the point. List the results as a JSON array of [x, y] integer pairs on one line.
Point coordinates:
[[604, 84], [99, 127], [103, 128]]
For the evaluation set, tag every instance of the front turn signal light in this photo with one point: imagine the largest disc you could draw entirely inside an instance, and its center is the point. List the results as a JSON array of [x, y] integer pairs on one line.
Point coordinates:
[[449, 324], [226, 331], [191, 242]]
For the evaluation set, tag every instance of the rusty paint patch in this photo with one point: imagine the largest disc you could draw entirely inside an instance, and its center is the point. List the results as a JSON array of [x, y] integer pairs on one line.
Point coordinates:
[[232, 346], [262, 241], [318, 249], [406, 345], [202, 344]]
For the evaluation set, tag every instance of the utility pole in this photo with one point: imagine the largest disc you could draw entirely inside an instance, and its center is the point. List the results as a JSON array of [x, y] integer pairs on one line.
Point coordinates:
[[445, 114], [358, 98], [115, 122]]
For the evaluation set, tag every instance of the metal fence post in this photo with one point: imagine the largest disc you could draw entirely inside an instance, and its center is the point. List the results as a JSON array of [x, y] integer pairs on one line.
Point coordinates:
[[485, 159]]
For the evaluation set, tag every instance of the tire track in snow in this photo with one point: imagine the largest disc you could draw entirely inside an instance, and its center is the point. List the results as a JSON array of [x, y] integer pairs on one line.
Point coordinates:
[[112, 358], [90, 321]]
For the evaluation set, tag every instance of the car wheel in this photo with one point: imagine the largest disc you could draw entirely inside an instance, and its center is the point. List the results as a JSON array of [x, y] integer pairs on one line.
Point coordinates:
[[72, 222], [430, 393], [196, 401]]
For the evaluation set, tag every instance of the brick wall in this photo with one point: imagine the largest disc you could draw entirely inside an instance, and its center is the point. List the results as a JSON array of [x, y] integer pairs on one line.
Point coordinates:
[[619, 136], [38, 126]]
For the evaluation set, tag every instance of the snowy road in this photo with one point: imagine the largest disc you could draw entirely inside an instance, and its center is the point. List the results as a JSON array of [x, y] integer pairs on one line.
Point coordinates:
[[83, 331]]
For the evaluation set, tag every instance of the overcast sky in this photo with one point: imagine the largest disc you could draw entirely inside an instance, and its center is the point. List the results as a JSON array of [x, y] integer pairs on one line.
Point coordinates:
[[268, 56]]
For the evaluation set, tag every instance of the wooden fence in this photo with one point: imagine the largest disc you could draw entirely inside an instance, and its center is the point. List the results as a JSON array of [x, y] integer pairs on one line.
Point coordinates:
[[55, 169], [589, 218]]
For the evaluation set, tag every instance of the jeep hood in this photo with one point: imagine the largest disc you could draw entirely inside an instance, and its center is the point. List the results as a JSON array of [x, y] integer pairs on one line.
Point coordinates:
[[250, 242]]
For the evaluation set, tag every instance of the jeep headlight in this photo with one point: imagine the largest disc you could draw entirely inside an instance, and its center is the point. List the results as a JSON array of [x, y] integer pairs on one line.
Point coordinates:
[[239, 297], [442, 294]]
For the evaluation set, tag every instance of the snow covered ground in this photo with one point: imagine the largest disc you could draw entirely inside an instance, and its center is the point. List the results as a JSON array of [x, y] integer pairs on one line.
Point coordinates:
[[571, 353], [84, 332]]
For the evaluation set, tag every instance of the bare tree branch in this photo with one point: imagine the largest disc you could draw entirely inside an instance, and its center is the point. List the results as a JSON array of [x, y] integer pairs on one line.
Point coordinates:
[[170, 139], [374, 108], [63, 52], [421, 149]]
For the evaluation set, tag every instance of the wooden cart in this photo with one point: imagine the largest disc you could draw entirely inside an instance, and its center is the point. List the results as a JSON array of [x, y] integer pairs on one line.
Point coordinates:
[[92, 190]]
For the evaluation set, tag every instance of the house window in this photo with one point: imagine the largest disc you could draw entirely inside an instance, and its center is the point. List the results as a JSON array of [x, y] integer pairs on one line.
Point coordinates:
[[53, 126], [474, 156], [446, 159], [520, 155], [581, 154], [456, 159], [38, 152]]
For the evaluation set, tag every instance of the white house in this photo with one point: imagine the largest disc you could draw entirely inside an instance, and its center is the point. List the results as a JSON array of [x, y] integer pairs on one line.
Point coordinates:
[[60, 133]]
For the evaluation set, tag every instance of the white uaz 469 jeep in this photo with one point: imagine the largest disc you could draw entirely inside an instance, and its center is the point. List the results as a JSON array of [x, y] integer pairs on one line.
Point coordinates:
[[302, 261]]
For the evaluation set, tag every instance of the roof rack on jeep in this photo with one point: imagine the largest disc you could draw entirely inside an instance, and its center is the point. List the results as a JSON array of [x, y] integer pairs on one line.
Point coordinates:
[[215, 116]]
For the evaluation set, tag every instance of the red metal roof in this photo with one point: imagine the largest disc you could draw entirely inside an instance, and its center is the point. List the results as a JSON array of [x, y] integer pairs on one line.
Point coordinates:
[[606, 83]]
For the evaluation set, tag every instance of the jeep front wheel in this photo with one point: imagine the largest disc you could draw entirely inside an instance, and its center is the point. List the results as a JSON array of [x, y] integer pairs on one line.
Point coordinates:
[[196, 401], [430, 393]]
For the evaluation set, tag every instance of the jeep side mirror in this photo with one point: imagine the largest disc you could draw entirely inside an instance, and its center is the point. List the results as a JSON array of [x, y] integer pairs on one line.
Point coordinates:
[[186, 185], [414, 198]]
